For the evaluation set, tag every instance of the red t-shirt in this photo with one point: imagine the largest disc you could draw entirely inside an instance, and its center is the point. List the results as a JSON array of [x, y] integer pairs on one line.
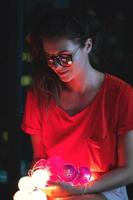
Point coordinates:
[[89, 137]]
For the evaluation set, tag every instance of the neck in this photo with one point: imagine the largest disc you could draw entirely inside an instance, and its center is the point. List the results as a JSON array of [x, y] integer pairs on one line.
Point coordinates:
[[88, 80]]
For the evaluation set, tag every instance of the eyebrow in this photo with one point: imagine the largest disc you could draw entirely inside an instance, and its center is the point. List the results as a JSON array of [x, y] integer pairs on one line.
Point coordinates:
[[60, 52]]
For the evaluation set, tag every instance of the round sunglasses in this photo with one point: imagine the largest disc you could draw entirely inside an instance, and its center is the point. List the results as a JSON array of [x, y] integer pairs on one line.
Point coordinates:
[[65, 60]]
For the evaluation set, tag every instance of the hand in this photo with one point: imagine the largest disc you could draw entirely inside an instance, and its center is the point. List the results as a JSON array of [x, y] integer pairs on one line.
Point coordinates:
[[81, 197], [68, 198], [61, 190]]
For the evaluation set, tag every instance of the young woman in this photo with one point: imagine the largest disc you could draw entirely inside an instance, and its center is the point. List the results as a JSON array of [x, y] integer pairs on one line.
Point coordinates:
[[76, 112]]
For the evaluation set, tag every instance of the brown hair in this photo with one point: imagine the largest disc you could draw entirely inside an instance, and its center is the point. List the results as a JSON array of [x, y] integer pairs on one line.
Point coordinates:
[[57, 23]]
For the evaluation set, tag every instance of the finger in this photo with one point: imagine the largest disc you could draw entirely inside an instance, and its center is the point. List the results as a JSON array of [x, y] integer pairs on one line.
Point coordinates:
[[68, 198], [55, 183], [57, 198], [49, 190]]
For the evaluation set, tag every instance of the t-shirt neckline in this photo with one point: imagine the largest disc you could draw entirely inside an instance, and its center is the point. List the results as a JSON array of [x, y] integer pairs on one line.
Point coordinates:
[[62, 111]]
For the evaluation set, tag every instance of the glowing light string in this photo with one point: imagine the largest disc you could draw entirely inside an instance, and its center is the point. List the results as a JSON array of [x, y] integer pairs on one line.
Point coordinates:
[[54, 169]]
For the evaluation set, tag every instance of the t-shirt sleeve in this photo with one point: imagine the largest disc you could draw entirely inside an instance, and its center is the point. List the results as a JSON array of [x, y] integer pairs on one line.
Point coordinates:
[[31, 121], [125, 110]]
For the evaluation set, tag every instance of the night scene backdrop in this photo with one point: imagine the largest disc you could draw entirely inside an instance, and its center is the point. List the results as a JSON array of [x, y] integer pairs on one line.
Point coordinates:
[[115, 57]]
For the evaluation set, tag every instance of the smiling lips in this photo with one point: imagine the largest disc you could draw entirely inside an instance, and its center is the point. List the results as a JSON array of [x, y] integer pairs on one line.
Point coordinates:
[[62, 73]]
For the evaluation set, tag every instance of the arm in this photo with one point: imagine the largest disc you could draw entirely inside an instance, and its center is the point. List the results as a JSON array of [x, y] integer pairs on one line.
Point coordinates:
[[38, 153], [37, 146], [121, 176], [81, 197]]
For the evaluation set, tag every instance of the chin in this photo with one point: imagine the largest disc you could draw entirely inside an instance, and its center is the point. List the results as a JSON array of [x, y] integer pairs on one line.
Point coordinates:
[[65, 79]]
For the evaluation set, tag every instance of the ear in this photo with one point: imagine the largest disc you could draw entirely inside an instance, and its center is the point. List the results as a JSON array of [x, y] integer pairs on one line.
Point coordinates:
[[88, 45]]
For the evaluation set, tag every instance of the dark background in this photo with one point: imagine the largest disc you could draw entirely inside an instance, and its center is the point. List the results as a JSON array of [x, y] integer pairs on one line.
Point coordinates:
[[15, 21]]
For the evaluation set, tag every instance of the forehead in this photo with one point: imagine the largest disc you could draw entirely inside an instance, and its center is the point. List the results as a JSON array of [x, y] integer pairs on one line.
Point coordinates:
[[57, 45]]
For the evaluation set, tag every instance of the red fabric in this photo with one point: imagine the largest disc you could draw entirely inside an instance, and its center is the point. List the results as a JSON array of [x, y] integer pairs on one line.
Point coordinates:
[[89, 137]]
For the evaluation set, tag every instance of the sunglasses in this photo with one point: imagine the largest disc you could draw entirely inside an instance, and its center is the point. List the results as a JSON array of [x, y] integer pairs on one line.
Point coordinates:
[[65, 60]]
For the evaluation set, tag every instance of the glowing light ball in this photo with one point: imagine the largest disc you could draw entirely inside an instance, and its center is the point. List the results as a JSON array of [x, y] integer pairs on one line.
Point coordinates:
[[68, 173], [38, 195], [55, 164], [18, 195], [40, 178], [31, 187], [22, 195], [25, 183], [83, 176]]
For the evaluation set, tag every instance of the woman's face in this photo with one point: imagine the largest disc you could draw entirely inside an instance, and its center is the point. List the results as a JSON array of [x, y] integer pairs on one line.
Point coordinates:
[[66, 58]]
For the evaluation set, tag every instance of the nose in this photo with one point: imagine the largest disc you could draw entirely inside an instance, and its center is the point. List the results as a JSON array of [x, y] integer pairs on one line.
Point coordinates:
[[56, 62], [56, 65]]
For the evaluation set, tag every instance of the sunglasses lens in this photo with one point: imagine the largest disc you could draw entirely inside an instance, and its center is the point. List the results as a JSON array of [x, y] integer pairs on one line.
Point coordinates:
[[66, 60], [63, 60]]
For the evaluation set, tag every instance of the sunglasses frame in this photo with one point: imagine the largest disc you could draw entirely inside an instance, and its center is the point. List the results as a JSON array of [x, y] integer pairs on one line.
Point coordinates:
[[58, 59]]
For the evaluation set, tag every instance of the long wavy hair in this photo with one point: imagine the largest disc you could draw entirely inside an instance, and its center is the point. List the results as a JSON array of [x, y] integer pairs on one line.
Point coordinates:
[[58, 23]]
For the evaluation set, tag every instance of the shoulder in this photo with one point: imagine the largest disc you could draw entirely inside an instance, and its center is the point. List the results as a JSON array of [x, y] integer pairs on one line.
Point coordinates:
[[117, 91], [31, 99], [39, 101], [116, 84]]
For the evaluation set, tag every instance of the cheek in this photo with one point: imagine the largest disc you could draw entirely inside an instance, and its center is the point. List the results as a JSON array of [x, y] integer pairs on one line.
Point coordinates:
[[82, 63], [76, 68], [53, 69], [78, 61]]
